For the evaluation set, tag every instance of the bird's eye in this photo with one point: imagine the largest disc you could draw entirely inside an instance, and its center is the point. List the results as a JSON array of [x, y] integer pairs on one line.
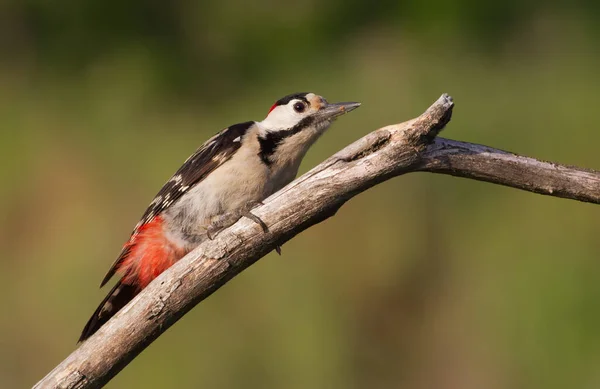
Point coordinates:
[[299, 107]]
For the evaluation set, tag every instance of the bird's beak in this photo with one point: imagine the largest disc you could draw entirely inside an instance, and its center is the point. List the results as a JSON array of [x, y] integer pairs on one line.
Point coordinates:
[[333, 110]]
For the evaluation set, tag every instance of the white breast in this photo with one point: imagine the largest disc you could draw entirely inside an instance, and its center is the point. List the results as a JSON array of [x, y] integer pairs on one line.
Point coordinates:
[[243, 179]]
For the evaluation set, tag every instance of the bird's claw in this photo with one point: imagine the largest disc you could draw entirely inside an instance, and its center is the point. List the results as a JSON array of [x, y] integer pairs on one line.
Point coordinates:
[[257, 220], [229, 219], [212, 231]]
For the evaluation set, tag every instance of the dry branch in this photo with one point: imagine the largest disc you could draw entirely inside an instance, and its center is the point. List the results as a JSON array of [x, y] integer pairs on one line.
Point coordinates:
[[317, 195], [500, 167]]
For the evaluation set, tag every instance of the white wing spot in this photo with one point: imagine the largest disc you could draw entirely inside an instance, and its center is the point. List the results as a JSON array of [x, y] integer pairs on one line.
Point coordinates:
[[107, 307], [219, 158], [176, 179], [156, 200], [238, 139], [184, 188]]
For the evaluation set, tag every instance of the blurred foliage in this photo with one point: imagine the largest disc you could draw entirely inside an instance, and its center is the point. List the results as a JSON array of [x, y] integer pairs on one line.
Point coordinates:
[[208, 48], [424, 281]]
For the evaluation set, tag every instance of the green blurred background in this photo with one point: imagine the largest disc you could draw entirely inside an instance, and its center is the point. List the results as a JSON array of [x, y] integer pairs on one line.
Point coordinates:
[[425, 281]]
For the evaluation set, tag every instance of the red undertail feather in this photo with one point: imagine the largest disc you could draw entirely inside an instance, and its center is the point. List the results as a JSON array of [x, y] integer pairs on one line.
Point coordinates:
[[147, 254]]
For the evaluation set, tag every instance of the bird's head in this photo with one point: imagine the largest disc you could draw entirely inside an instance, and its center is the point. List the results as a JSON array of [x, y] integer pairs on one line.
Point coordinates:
[[293, 124], [300, 111]]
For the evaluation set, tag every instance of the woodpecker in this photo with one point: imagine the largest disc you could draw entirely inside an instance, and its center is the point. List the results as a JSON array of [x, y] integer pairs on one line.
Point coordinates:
[[221, 182]]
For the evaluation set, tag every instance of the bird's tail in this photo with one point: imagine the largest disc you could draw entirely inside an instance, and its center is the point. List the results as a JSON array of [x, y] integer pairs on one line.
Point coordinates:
[[116, 299]]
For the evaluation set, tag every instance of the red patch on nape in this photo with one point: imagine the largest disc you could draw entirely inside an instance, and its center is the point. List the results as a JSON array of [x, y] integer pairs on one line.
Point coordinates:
[[150, 254], [272, 107]]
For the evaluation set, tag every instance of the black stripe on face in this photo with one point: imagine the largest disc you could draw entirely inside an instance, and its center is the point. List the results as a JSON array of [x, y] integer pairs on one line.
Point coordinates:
[[270, 141]]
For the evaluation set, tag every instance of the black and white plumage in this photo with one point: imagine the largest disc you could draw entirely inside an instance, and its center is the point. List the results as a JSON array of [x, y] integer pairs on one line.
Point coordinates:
[[207, 158], [238, 167]]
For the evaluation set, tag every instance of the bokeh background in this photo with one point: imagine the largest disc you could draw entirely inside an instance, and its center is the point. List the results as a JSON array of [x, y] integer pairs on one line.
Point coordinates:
[[425, 281]]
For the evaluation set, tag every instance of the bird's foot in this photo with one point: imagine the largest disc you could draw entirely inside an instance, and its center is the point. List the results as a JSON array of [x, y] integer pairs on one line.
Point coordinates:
[[229, 219]]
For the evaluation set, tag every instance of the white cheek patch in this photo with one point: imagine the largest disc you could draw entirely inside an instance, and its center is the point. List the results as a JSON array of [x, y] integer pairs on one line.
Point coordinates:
[[281, 117]]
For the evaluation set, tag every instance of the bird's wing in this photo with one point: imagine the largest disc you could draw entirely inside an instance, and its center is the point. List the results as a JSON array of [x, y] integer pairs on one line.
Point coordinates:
[[212, 154]]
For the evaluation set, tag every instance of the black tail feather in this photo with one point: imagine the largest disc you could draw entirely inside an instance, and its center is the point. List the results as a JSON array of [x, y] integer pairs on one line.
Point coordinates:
[[116, 299]]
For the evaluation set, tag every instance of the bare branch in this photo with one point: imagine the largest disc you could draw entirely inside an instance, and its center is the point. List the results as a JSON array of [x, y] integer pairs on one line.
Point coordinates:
[[500, 167], [317, 195]]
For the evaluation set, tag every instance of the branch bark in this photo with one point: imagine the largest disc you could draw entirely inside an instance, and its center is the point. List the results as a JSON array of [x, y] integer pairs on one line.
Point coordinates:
[[484, 163], [385, 153]]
